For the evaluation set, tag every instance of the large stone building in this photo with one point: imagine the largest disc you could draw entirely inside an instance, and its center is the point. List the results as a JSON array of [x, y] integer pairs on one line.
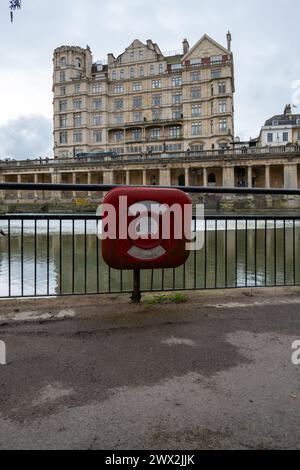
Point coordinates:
[[144, 100]]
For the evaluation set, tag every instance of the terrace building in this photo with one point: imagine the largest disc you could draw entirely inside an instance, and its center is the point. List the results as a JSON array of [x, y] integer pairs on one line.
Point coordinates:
[[144, 101]]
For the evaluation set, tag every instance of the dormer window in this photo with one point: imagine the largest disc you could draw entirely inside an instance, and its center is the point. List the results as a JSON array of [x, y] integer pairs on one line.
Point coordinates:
[[131, 56], [161, 69], [63, 62], [274, 123], [78, 62], [141, 55], [113, 75]]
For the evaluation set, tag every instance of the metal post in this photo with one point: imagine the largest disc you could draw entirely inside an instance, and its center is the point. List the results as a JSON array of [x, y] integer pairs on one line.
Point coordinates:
[[136, 294]]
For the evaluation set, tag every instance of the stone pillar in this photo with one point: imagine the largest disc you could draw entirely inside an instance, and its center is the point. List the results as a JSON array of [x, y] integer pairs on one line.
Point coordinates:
[[205, 183], [290, 176], [2, 193], [128, 177], [144, 177], [36, 180], [74, 182], [19, 193], [267, 177], [187, 176], [165, 177], [89, 182], [108, 177], [228, 177], [249, 176], [56, 179]]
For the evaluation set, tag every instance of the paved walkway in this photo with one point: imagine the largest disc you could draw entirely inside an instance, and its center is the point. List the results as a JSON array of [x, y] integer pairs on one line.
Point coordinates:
[[213, 373]]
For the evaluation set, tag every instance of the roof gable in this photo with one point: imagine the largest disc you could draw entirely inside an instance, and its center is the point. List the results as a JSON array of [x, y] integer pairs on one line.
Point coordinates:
[[205, 47]]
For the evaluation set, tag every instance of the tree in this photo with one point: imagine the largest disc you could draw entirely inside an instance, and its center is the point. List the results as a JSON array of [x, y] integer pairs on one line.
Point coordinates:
[[14, 5]]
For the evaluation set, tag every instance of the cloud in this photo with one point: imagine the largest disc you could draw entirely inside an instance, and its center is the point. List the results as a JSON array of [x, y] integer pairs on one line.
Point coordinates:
[[266, 46], [26, 137]]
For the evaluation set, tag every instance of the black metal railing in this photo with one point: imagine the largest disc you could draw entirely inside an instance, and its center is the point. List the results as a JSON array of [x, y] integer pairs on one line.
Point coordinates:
[[52, 255]]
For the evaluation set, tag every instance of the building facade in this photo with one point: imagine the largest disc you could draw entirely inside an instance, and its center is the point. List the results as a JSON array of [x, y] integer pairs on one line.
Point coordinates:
[[144, 101], [281, 130]]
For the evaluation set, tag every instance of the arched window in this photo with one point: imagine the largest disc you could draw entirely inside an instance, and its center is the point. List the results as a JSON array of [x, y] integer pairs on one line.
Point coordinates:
[[161, 69], [132, 72], [78, 62], [122, 74], [142, 73], [63, 62], [113, 75], [152, 70]]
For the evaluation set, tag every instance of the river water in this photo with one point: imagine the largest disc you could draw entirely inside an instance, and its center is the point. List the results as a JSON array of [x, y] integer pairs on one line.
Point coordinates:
[[57, 262]]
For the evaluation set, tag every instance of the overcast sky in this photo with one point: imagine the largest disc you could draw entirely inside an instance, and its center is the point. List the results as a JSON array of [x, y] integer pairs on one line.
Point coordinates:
[[266, 45]]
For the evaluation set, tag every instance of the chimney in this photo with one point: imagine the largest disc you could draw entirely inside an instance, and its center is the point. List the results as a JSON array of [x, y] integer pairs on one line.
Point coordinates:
[[186, 46], [229, 39], [288, 110]]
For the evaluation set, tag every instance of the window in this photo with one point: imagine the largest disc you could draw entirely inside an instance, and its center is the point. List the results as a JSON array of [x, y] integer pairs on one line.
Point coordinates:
[[298, 138], [156, 115], [137, 134], [176, 98], [177, 113], [161, 69], [132, 73], [62, 77], [156, 83], [155, 133], [156, 100], [119, 119], [76, 88], [298, 122], [131, 56], [275, 123], [62, 90], [122, 74], [270, 137], [216, 74], [195, 76], [222, 88], [97, 88], [97, 136], [176, 66], [141, 55], [119, 135], [176, 81], [137, 102], [119, 104], [114, 75], [223, 125], [77, 120], [175, 132], [97, 119], [215, 59], [78, 62], [142, 72], [77, 104], [63, 62], [63, 120], [118, 89], [77, 137], [152, 70], [63, 137], [196, 128], [196, 110], [137, 117], [222, 106], [285, 137], [195, 93], [63, 105], [136, 87], [195, 61], [97, 104]]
